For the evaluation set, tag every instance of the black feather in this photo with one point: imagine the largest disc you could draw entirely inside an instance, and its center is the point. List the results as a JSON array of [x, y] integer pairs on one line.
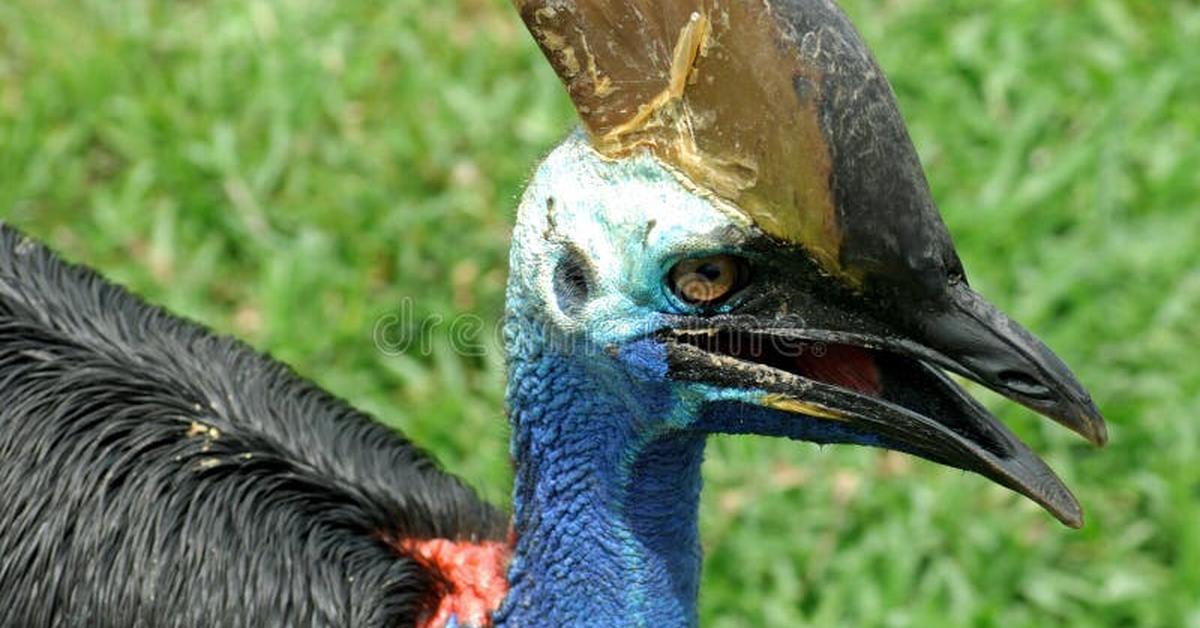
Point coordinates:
[[155, 474]]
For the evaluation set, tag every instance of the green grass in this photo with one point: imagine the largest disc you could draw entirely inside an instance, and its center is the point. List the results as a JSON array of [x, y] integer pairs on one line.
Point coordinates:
[[291, 171]]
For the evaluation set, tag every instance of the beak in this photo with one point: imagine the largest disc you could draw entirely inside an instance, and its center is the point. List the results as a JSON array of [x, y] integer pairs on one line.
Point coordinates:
[[780, 110], [881, 382], [976, 340]]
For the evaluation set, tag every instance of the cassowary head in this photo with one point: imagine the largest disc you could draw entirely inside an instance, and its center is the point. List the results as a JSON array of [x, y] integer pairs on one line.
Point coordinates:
[[744, 217]]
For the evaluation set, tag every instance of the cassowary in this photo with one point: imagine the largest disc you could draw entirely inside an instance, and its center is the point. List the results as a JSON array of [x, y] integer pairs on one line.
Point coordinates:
[[740, 240]]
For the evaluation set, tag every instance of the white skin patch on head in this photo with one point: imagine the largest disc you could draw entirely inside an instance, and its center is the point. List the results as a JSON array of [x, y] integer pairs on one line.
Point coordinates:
[[628, 219]]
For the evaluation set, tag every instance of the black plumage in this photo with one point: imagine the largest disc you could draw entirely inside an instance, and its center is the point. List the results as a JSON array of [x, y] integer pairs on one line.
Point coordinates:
[[153, 473]]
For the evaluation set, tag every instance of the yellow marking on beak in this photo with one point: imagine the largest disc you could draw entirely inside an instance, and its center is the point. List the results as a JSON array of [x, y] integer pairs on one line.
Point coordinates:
[[789, 404]]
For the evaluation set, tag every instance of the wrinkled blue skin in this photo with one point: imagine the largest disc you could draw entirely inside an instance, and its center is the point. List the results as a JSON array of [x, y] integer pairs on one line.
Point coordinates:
[[607, 448]]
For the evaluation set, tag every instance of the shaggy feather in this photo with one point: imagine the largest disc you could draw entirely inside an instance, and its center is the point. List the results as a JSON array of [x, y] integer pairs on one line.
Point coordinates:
[[155, 474]]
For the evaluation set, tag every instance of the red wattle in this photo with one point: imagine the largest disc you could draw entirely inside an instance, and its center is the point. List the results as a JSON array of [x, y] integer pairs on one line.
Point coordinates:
[[474, 574]]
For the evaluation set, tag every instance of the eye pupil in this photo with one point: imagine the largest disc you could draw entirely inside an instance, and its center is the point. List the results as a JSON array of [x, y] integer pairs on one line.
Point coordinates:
[[708, 280], [711, 272]]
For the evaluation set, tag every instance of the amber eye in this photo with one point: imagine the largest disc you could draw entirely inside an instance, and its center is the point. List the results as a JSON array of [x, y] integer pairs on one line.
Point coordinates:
[[708, 280]]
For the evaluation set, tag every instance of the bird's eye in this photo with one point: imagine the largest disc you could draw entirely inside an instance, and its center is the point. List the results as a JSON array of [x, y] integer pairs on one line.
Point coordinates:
[[709, 280]]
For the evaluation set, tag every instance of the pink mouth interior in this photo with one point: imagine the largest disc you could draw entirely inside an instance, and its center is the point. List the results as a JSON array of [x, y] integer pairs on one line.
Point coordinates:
[[845, 366], [848, 367]]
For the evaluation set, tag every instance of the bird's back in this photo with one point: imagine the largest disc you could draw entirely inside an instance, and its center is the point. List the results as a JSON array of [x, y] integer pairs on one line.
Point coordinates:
[[155, 474]]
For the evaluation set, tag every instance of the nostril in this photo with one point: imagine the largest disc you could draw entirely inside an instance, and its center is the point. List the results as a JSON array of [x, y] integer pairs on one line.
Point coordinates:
[[1023, 384]]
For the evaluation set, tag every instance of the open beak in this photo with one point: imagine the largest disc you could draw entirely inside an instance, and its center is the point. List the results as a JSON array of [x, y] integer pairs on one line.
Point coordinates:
[[889, 388], [780, 110]]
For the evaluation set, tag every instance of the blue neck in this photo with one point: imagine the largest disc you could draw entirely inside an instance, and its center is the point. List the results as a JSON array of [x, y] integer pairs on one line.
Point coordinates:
[[605, 498]]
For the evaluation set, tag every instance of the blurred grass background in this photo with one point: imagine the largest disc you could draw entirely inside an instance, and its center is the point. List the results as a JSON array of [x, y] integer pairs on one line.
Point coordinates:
[[291, 171]]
